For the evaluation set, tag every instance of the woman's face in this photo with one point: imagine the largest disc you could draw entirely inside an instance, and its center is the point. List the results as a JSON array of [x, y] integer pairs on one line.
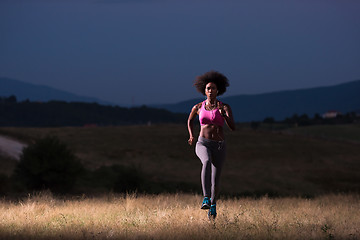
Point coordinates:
[[211, 90]]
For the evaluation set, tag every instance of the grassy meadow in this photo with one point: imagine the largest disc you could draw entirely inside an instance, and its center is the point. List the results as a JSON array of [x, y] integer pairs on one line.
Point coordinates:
[[178, 216], [291, 184], [348, 132], [293, 162]]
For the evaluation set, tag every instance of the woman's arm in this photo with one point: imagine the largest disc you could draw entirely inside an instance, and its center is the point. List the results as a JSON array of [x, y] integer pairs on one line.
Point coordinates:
[[228, 116], [190, 123]]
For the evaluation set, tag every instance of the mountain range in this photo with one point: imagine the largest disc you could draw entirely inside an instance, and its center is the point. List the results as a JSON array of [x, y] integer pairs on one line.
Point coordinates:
[[27, 91], [278, 105]]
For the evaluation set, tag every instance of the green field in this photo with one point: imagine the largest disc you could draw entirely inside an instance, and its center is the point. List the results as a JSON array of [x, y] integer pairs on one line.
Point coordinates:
[[296, 162]]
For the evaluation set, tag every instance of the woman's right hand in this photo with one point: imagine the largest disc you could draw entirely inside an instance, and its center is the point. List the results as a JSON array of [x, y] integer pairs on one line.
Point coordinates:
[[190, 122], [191, 141]]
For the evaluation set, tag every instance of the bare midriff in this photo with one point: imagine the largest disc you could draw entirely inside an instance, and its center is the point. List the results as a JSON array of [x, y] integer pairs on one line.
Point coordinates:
[[212, 132]]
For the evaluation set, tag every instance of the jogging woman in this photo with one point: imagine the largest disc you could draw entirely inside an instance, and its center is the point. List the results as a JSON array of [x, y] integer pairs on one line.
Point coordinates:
[[210, 146]]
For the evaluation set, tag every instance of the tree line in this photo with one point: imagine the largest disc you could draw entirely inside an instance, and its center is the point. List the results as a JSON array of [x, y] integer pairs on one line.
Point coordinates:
[[61, 113], [304, 120]]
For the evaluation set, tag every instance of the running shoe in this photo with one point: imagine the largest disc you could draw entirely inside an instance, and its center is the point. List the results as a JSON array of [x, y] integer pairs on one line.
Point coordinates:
[[212, 212], [206, 203]]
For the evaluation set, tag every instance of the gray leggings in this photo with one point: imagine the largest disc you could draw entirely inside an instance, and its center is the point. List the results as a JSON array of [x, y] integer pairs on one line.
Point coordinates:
[[212, 156]]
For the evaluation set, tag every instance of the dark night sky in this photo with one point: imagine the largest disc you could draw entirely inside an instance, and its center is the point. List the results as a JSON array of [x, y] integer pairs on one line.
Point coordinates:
[[149, 51]]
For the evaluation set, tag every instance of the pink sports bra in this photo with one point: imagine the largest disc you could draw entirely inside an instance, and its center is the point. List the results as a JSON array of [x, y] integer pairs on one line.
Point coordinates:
[[210, 117]]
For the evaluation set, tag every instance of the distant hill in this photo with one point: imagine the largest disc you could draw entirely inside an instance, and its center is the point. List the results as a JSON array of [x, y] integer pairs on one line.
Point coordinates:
[[33, 92], [61, 113], [279, 105]]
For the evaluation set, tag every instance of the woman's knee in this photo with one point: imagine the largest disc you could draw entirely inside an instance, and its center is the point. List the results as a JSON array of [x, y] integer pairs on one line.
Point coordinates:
[[206, 162]]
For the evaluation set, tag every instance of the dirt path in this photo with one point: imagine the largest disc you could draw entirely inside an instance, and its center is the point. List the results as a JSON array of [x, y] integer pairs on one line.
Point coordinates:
[[11, 147]]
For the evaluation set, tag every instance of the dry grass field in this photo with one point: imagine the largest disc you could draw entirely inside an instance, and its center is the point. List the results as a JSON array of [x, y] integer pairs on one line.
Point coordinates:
[[178, 216], [294, 184]]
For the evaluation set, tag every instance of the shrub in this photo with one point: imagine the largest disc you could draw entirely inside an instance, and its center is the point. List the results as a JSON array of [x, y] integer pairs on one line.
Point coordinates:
[[48, 164]]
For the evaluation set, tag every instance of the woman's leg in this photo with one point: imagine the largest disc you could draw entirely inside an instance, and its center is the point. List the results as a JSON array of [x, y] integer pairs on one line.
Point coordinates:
[[218, 159], [204, 155]]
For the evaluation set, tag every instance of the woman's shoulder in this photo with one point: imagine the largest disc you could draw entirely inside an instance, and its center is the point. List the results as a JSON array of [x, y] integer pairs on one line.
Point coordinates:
[[225, 104], [197, 106]]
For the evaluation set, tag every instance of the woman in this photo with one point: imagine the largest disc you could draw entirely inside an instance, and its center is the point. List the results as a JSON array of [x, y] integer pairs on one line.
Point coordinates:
[[210, 147]]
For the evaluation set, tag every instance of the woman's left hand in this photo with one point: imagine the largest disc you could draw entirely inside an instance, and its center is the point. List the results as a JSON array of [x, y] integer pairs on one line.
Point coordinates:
[[222, 111]]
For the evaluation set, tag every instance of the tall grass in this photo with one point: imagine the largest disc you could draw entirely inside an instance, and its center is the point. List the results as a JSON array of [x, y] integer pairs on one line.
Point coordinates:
[[178, 216]]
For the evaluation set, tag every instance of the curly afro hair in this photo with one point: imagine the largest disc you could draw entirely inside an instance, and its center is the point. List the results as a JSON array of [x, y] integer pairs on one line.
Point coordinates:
[[219, 79]]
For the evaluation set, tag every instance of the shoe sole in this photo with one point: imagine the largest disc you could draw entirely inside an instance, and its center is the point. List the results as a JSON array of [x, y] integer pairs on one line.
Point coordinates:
[[205, 206]]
